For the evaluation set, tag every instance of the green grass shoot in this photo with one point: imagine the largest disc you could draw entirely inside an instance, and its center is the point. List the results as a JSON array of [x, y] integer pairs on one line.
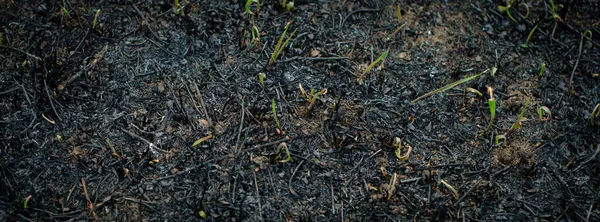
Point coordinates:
[[544, 111], [507, 9], [274, 110], [261, 79], [311, 97], [451, 188], [500, 137], [249, 3], [95, 19], [554, 10], [517, 124], [371, 66], [284, 147], [64, 11], [256, 36], [281, 44], [449, 86], [492, 106], [529, 37], [287, 5], [543, 69], [197, 142]]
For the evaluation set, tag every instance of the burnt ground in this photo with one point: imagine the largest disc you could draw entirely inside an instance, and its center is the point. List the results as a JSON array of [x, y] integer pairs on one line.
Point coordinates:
[[98, 121]]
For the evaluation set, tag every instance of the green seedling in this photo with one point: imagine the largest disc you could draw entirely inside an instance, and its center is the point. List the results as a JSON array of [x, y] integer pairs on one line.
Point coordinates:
[[542, 70], [587, 33], [202, 214], [281, 44], [256, 36], [507, 9], [26, 200], [526, 8], [284, 147], [371, 66], [399, 17], [517, 124], [451, 188], [178, 8], [274, 110], [0, 38], [392, 185], [450, 86], [529, 37], [64, 11], [311, 97], [492, 106], [287, 5], [398, 144], [249, 3], [554, 10], [197, 142], [544, 111], [500, 137], [95, 19], [594, 114], [261, 78], [471, 90]]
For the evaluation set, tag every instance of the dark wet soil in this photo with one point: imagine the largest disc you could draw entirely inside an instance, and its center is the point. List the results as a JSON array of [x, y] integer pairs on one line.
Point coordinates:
[[147, 111]]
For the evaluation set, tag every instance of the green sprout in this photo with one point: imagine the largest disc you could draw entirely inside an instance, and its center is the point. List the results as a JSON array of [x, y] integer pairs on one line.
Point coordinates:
[[371, 66], [544, 110], [256, 36], [64, 11], [26, 200], [287, 5], [529, 37], [178, 8], [526, 8], [202, 214], [197, 142], [517, 124], [287, 153], [507, 9], [95, 19], [392, 185], [451, 188], [311, 97], [449, 86], [500, 137], [261, 78], [554, 10], [401, 25], [281, 44], [274, 110], [0, 38], [398, 144], [249, 3], [543, 69], [492, 106]]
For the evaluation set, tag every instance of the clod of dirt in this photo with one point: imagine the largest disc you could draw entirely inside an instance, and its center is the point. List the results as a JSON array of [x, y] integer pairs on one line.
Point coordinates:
[[517, 152], [517, 95]]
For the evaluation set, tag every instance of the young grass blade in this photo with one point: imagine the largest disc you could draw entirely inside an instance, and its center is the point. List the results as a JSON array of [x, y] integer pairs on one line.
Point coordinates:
[[492, 105], [274, 109], [517, 124], [381, 57], [280, 44], [449, 86], [529, 37]]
